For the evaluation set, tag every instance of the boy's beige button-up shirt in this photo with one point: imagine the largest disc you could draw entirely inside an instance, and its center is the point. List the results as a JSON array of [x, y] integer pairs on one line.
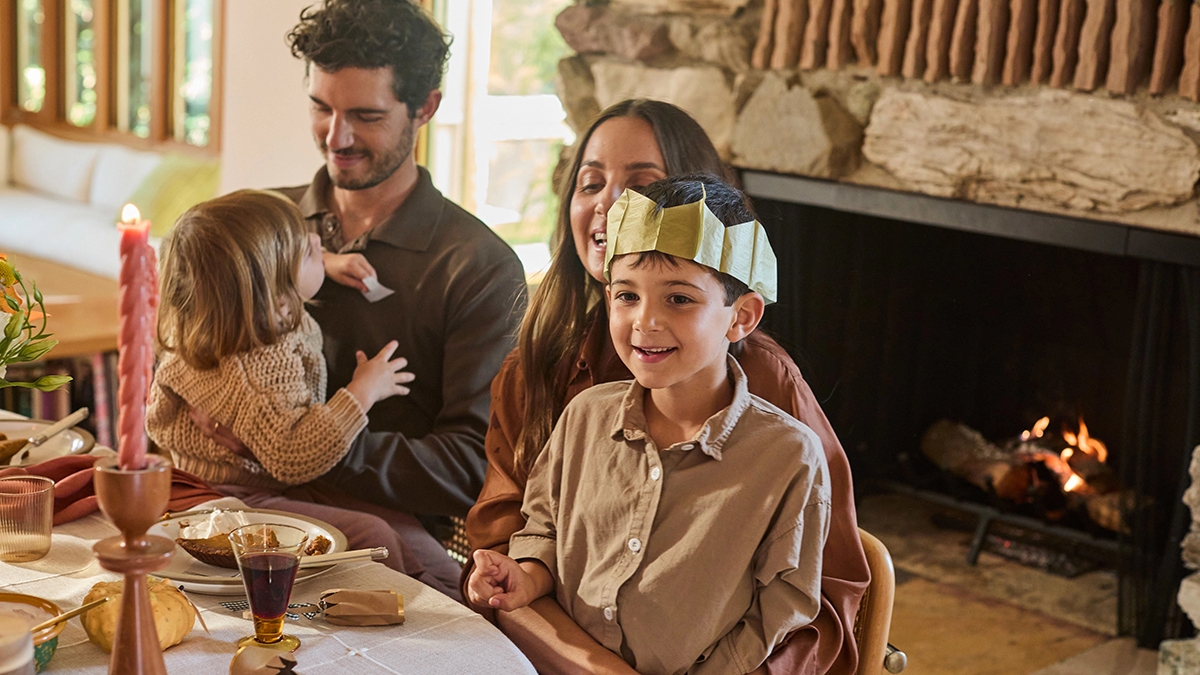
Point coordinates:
[[700, 557]]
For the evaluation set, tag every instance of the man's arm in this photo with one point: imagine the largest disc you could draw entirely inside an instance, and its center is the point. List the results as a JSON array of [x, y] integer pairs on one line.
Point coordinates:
[[442, 472]]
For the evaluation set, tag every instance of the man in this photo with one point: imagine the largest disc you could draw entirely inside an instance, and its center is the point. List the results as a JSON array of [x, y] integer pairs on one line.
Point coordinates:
[[373, 71]]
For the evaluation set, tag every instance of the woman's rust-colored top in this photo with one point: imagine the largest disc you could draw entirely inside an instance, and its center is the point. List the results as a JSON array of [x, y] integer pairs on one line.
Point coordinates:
[[827, 645]]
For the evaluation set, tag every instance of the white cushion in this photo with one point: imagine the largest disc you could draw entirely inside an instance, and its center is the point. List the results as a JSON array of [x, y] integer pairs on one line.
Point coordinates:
[[119, 172], [5, 155], [75, 235], [52, 165]]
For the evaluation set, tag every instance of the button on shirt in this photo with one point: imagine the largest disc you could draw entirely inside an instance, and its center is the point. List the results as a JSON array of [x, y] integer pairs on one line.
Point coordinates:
[[712, 561]]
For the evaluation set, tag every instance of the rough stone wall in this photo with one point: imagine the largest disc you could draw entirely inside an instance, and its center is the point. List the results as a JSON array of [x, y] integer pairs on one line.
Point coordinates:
[[1131, 159]]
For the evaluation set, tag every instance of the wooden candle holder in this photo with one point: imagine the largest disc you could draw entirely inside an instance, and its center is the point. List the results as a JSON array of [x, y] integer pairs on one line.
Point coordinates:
[[134, 500]]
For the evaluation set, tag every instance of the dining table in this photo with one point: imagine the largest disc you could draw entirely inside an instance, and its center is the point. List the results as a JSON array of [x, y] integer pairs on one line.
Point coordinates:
[[438, 635]]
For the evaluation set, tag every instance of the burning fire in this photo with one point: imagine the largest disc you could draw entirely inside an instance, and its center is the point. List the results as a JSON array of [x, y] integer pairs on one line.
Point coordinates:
[[1073, 483], [1080, 442], [1086, 443], [1038, 429]]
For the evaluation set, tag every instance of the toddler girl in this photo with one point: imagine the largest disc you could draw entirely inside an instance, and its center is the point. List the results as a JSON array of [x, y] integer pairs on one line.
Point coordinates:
[[236, 342]]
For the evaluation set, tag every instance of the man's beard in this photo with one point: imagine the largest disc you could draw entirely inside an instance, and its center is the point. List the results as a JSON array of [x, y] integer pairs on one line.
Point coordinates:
[[379, 167]]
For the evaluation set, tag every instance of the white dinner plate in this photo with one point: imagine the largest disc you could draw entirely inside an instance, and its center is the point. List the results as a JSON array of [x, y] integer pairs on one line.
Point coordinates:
[[197, 577], [74, 441]]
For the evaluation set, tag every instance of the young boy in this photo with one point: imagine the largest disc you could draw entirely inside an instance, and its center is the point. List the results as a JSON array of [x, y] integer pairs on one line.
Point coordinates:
[[679, 519]]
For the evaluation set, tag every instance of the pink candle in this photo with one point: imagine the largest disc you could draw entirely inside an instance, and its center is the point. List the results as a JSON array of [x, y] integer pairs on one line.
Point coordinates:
[[135, 362]]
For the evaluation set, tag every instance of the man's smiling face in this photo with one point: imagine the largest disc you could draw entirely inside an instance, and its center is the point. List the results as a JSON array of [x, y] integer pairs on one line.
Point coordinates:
[[364, 133]]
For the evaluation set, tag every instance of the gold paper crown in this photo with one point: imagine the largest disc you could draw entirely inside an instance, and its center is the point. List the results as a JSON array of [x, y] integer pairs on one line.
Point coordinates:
[[693, 232]]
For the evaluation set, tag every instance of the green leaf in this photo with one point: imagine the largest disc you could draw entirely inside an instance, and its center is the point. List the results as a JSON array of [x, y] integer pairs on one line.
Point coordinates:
[[13, 328]]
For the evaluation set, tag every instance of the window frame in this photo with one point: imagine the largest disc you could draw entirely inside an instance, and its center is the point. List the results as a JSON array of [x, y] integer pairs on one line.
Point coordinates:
[[52, 118]]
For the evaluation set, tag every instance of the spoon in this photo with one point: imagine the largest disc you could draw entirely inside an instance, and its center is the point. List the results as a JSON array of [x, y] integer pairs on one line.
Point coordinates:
[[59, 426]]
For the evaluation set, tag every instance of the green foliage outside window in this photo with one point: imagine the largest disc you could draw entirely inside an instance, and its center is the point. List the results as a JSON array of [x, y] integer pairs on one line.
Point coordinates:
[[526, 47]]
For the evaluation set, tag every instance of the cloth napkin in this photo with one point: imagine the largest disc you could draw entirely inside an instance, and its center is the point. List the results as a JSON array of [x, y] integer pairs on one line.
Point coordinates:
[[75, 496], [362, 608]]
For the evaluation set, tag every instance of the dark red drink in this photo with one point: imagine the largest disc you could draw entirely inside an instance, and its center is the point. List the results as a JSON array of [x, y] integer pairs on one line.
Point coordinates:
[[268, 578]]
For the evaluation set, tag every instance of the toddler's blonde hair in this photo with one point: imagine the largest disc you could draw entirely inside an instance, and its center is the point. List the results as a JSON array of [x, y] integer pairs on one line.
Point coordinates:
[[228, 276]]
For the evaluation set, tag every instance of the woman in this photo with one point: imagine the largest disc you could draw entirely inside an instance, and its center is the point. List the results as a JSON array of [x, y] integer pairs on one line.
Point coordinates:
[[564, 347]]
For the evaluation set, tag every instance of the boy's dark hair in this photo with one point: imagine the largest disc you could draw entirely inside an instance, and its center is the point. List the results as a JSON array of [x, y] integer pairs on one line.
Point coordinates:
[[370, 34], [725, 201]]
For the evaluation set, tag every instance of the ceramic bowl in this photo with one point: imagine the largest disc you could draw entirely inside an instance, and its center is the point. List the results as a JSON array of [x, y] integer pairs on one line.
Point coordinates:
[[45, 641]]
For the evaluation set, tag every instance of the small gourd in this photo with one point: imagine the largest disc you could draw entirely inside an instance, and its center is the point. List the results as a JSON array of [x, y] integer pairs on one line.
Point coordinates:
[[173, 614]]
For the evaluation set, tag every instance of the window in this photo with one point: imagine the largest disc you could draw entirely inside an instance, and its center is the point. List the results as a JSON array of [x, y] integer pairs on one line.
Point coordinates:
[[31, 76], [496, 139], [194, 70], [141, 69], [79, 40]]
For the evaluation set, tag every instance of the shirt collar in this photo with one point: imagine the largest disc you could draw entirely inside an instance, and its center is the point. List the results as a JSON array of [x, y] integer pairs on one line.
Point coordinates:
[[411, 227], [631, 421]]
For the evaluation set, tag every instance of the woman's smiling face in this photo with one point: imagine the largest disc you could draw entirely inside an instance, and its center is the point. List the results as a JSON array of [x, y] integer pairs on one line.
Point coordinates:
[[621, 153]]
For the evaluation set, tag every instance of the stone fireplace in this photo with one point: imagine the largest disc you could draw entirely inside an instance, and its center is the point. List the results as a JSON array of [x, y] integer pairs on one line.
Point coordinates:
[[985, 210]]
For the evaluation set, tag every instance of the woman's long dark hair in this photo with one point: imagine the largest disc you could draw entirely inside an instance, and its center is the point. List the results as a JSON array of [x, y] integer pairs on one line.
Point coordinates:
[[552, 331]]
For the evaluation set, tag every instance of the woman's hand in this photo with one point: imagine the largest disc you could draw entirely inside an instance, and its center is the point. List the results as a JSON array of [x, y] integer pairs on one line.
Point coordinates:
[[499, 582], [380, 377]]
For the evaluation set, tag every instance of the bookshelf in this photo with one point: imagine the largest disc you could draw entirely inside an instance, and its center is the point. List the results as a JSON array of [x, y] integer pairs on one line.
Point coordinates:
[[82, 309]]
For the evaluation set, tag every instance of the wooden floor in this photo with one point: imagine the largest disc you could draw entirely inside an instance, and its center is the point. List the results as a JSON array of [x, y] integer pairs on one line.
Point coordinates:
[[82, 307], [998, 617]]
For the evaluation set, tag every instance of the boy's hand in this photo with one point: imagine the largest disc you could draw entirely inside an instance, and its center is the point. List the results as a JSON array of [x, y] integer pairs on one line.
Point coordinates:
[[380, 377], [499, 582], [348, 269]]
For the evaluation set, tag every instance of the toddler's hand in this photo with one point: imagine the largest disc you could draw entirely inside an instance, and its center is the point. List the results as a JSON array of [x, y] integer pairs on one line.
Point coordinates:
[[348, 269], [380, 377], [499, 582]]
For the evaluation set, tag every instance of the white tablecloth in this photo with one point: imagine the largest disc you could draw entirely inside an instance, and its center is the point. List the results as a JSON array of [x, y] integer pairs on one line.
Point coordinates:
[[438, 635]]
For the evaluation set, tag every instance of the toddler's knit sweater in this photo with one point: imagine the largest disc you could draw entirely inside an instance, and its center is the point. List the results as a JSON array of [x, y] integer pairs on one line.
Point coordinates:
[[272, 398]]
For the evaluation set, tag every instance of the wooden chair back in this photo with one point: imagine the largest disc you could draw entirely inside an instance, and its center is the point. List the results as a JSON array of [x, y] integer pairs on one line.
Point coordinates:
[[874, 620]]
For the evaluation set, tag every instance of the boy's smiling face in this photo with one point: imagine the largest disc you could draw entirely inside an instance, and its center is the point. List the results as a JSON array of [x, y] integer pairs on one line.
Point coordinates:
[[669, 323]]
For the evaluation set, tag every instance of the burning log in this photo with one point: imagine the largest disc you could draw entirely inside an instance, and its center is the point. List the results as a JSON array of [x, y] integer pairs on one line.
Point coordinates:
[[1105, 510], [1031, 469], [965, 453]]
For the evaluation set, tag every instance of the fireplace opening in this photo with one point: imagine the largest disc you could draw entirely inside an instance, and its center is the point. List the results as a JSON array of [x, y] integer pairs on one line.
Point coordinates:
[[904, 329]]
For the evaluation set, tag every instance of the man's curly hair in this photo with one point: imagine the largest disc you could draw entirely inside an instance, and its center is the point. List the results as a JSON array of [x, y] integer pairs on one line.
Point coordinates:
[[396, 34]]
